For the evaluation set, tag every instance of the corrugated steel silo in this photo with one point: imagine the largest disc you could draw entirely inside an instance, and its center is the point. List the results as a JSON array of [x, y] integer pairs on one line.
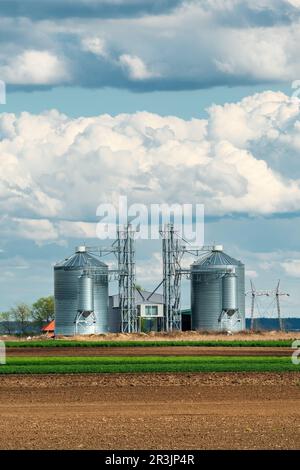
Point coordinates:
[[77, 286], [85, 293], [218, 292], [101, 300], [229, 293]]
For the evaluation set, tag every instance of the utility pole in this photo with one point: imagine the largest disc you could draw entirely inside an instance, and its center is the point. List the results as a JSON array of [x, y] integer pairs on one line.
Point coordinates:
[[252, 304], [256, 293], [268, 293], [278, 294]]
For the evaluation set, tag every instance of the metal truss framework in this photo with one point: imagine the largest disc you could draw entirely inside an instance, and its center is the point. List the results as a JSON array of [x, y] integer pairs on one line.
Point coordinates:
[[278, 294], [172, 253], [85, 319], [268, 293], [124, 250], [127, 279], [173, 249]]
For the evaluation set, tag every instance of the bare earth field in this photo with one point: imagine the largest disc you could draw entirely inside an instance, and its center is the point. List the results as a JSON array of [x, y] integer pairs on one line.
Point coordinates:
[[183, 335], [153, 351], [151, 411]]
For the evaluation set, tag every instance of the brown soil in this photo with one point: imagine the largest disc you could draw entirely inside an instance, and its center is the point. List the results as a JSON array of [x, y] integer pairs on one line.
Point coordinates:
[[151, 411], [185, 335], [152, 351]]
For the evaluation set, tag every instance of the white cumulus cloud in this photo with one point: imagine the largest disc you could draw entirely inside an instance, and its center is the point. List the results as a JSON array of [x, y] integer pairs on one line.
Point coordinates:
[[60, 169], [292, 267], [251, 273], [34, 67], [144, 45], [94, 44], [135, 67]]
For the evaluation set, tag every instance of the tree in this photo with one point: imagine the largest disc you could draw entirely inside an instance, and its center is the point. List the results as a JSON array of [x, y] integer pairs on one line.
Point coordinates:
[[6, 322], [21, 314], [43, 310], [138, 287]]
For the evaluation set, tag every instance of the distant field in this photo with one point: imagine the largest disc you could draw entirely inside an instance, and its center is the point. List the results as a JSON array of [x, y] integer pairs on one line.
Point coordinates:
[[115, 412], [166, 343], [79, 365]]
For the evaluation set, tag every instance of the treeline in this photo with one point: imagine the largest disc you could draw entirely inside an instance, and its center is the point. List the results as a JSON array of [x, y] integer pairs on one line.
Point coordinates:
[[22, 316]]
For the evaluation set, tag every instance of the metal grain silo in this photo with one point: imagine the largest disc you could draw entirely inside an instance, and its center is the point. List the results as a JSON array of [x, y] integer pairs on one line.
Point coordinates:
[[229, 293], [101, 300], [85, 292], [218, 292], [81, 290]]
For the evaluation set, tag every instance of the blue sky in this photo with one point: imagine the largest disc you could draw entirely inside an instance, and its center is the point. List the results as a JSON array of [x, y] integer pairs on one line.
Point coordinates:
[[78, 101], [164, 101]]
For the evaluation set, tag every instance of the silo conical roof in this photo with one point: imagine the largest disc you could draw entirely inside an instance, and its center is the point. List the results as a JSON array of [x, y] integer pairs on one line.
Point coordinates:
[[217, 258], [80, 260]]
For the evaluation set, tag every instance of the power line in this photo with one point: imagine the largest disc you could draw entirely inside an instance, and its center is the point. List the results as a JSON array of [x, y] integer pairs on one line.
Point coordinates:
[[275, 294]]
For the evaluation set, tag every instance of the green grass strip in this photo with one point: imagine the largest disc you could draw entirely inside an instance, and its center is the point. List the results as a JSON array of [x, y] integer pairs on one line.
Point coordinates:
[[88, 344], [35, 360], [80, 365]]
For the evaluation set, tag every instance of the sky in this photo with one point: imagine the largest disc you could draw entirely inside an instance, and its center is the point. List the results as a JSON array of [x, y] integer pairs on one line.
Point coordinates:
[[164, 101]]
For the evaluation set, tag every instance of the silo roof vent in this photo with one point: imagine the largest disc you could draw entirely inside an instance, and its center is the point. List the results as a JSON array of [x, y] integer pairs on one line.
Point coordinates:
[[80, 249], [217, 248]]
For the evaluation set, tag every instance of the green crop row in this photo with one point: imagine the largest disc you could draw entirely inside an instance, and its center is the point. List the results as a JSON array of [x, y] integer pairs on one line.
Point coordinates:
[[80, 365]]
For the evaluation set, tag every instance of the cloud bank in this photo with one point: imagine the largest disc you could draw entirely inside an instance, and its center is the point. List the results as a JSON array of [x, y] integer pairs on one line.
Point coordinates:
[[242, 159], [148, 45], [292, 267]]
